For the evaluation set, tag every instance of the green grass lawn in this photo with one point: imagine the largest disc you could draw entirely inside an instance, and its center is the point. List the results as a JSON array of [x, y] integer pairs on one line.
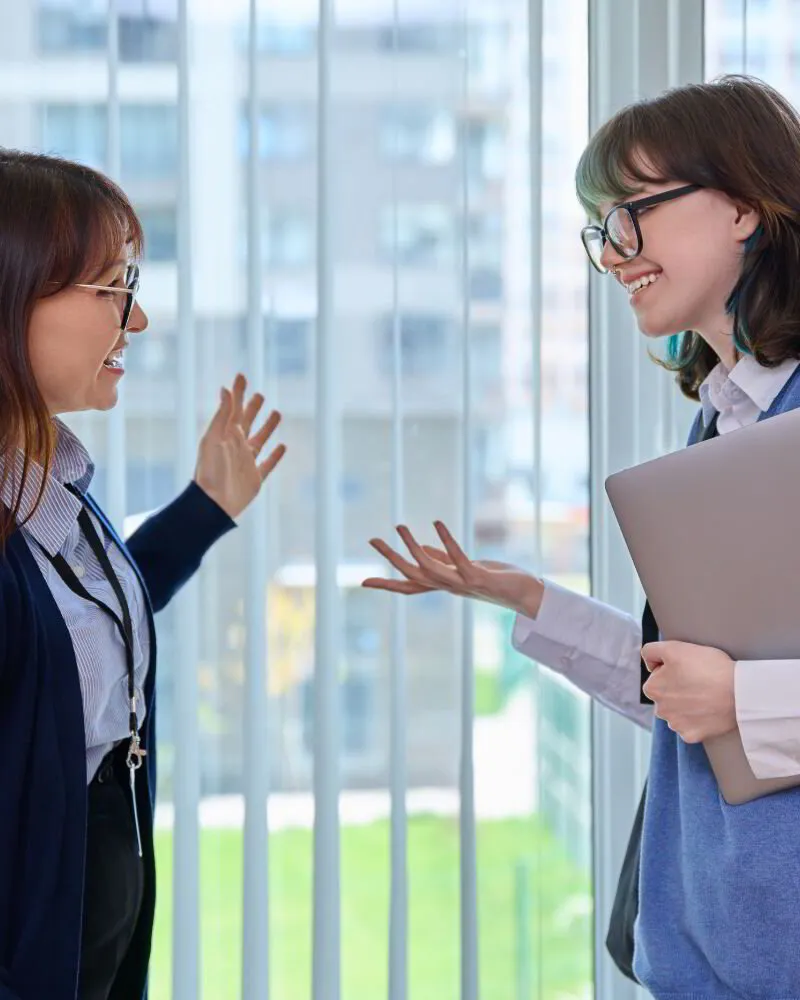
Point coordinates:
[[551, 918]]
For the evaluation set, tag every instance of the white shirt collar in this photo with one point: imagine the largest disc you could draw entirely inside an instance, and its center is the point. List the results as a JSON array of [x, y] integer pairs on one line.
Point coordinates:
[[52, 520], [747, 377]]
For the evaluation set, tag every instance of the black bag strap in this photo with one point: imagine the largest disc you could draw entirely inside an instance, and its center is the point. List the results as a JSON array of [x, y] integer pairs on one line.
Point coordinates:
[[650, 632]]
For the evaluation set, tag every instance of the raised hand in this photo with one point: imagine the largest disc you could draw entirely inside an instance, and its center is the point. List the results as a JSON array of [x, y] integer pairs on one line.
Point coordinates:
[[228, 467]]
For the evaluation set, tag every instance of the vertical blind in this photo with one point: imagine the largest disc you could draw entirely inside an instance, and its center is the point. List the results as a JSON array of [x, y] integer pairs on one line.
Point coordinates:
[[367, 206]]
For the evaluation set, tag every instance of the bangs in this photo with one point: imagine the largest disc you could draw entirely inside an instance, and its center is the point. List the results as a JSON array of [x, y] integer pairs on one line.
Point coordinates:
[[94, 227], [619, 158]]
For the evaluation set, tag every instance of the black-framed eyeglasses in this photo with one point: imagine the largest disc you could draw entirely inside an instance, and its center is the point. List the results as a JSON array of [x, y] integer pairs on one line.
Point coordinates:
[[621, 227], [129, 289]]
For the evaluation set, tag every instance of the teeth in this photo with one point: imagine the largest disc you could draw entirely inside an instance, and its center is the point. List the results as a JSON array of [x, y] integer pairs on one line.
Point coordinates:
[[114, 360], [646, 279]]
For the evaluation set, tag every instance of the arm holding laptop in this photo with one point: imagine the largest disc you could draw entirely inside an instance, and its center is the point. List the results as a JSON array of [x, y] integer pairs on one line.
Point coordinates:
[[698, 690], [704, 694]]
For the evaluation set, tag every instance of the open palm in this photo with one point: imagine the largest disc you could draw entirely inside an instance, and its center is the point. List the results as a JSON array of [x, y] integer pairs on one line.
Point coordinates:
[[228, 467], [451, 570]]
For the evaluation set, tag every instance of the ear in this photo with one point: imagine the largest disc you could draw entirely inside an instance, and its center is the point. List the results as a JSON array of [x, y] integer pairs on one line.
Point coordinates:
[[746, 221]]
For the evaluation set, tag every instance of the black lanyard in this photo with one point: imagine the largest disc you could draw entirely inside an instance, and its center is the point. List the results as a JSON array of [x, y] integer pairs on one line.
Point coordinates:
[[124, 626]]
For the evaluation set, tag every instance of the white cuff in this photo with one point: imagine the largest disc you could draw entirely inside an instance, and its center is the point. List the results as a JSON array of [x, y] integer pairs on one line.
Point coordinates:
[[767, 695]]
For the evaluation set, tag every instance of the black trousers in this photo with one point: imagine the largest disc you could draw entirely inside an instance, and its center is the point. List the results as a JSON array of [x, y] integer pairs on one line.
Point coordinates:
[[114, 883]]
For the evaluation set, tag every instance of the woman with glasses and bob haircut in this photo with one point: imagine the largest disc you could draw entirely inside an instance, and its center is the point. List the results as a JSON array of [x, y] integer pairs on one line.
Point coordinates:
[[77, 639], [695, 202]]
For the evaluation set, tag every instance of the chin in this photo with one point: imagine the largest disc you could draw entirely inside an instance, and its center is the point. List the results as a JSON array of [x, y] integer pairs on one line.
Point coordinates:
[[105, 401], [655, 329]]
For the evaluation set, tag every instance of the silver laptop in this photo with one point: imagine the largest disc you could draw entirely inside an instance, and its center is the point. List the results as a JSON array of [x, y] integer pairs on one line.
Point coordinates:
[[714, 533]]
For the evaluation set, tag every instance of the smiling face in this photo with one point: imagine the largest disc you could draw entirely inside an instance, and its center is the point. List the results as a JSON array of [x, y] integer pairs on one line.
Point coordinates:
[[691, 259], [71, 335]]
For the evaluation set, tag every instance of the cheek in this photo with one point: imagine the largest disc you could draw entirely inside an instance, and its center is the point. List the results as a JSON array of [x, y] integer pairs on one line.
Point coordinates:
[[60, 354]]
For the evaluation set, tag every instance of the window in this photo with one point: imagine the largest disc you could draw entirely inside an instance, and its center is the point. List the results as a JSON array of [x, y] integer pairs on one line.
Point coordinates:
[[487, 49], [76, 131], [148, 30], [71, 26], [425, 344], [284, 133], [149, 142], [154, 356], [148, 137], [485, 284], [485, 234], [289, 344], [420, 38], [281, 39], [149, 33], [288, 238], [486, 344], [423, 233], [422, 127], [416, 134], [485, 144], [160, 233]]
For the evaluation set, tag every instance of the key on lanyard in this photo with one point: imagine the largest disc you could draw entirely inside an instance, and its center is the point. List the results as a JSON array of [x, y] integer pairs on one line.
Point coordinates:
[[134, 762]]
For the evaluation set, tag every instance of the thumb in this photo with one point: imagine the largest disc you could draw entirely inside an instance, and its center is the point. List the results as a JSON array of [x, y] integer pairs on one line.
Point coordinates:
[[653, 655]]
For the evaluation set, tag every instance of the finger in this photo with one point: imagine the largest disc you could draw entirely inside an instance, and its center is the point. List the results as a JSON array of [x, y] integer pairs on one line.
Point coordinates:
[[239, 386], [653, 654], [438, 554], [443, 557], [437, 570], [396, 586], [258, 440], [251, 411], [267, 466], [460, 559], [409, 570], [220, 419]]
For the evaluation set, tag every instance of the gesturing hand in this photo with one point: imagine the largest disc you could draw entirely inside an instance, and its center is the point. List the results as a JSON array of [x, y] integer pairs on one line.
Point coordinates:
[[228, 469], [451, 570]]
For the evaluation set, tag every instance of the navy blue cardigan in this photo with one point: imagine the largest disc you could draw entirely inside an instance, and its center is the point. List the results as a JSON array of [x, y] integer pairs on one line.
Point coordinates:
[[43, 755]]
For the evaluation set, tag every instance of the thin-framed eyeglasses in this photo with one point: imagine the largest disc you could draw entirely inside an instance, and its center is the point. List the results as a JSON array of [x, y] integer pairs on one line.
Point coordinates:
[[129, 289], [621, 227]]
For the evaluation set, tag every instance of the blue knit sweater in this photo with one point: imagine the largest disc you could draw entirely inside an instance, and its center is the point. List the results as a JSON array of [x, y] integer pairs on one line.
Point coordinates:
[[719, 912]]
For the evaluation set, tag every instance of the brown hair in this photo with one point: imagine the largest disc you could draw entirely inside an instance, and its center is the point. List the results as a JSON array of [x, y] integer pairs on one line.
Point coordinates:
[[60, 223], [737, 135]]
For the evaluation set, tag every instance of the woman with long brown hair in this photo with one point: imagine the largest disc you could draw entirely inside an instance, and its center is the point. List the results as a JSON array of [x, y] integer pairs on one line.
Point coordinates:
[[695, 197], [77, 639]]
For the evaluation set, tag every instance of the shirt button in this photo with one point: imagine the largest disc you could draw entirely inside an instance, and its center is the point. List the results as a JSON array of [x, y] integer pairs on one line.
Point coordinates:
[[79, 571]]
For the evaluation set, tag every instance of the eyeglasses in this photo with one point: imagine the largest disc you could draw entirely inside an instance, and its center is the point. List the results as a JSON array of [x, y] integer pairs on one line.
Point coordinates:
[[129, 290], [621, 228]]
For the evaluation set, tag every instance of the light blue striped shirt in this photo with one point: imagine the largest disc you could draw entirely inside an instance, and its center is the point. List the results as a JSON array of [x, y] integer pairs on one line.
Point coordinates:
[[99, 649]]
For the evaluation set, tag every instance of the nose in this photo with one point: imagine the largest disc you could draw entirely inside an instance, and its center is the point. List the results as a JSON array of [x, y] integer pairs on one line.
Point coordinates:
[[138, 321], [609, 258]]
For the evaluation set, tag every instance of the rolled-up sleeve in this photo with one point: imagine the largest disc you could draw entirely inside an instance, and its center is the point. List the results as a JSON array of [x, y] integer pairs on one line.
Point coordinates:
[[767, 694], [594, 646]]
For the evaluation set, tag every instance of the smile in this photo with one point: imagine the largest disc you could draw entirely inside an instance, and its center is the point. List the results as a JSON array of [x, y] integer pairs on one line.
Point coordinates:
[[640, 283]]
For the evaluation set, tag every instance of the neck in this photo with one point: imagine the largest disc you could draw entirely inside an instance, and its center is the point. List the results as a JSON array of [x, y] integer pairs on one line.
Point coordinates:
[[719, 337]]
